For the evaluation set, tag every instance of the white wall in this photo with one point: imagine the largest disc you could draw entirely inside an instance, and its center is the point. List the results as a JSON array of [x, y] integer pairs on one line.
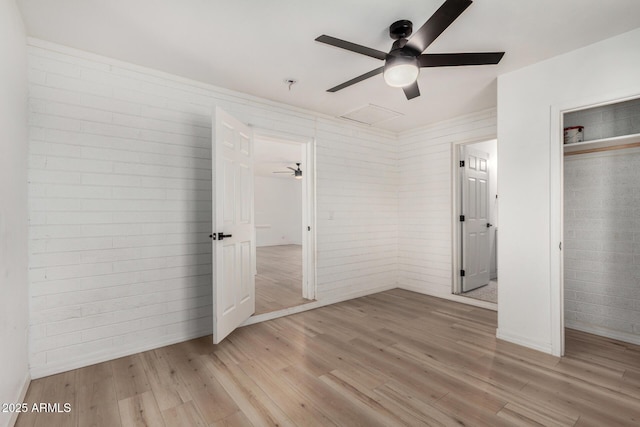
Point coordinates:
[[601, 211], [529, 151], [425, 200], [278, 211], [14, 309], [120, 205], [356, 210]]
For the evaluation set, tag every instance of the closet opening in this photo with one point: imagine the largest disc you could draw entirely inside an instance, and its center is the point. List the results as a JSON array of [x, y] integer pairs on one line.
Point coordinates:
[[600, 259]]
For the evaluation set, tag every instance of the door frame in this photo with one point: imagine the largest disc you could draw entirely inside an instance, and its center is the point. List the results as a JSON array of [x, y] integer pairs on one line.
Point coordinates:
[[456, 207], [556, 203], [308, 144]]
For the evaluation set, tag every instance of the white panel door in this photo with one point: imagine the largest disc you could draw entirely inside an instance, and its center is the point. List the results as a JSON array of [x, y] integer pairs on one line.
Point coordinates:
[[476, 244], [233, 237]]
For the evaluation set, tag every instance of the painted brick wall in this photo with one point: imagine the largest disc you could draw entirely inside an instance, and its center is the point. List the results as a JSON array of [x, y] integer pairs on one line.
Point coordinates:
[[120, 205], [622, 118], [425, 204], [602, 243]]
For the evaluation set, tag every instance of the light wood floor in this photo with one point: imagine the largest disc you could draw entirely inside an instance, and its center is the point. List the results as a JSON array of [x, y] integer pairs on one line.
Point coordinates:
[[394, 358], [279, 278]]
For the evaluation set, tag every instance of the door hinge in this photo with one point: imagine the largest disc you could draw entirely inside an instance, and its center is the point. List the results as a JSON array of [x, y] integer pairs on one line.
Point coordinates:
[[461, 218], [462, 273], [461, 163], [308, 228]]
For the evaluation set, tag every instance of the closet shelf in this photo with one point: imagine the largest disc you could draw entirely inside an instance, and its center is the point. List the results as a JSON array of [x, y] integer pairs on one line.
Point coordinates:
[[616, 142]]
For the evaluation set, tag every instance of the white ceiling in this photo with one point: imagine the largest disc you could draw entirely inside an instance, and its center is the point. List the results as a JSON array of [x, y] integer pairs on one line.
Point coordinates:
[[252, 45], [270, 156]]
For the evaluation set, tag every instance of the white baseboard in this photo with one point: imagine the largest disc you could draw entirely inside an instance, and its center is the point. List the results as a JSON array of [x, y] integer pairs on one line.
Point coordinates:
[[113, 353], [607, 333], [505, 336], [524, 341], [471, 301], [452, 297], [314, 304], [21, 397], [110, 354]]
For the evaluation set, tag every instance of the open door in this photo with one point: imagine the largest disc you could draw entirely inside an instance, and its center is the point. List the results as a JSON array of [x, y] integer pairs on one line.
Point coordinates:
[[233, 235], [476, 244]]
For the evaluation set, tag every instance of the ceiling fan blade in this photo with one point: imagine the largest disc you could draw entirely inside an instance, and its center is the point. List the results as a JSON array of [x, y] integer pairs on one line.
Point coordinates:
[[356, 79], [289, 167], [283, 172], [439, 21], [455, 59], [363, 50], [412, 91]]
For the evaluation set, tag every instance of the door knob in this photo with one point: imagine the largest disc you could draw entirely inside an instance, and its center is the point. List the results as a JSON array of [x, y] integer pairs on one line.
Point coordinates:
[[489, 225], [221, 236]]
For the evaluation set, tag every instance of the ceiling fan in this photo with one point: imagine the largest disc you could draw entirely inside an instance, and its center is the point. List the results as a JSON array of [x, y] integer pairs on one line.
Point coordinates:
[[403, 62], [297, 173]]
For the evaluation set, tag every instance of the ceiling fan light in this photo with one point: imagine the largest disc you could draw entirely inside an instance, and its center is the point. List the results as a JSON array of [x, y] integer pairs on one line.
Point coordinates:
[[401, 71]]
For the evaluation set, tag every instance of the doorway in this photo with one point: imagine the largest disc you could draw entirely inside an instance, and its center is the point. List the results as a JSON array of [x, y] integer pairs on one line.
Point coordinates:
[[233, 219], [599, 188], [283, 177], [476, 221]]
